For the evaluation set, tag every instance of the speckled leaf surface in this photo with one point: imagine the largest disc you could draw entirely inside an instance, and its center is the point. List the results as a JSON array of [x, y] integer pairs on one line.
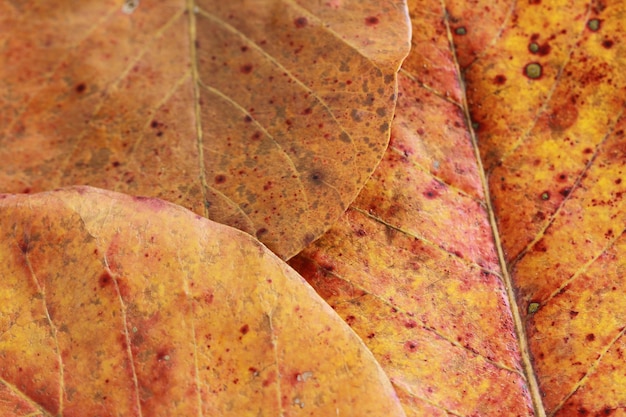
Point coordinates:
[[412, 266], [551, 132], [126, 306], [267, 115], [543, 97]]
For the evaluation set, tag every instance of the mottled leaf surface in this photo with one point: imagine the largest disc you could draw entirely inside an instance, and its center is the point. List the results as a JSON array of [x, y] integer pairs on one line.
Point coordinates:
[[412, 266], [265, 115], [551, 132], [126, 306], [544, 97]]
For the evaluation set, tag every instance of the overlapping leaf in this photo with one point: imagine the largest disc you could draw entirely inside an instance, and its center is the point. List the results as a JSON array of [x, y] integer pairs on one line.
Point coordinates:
[[114, 305], [412, 265], [545, 89], [265, 115]]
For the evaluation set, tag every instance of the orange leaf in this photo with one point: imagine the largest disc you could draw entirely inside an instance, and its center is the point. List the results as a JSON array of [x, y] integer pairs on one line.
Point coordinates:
[[412, 265], [114, 305], [552, 137], [265, 115]]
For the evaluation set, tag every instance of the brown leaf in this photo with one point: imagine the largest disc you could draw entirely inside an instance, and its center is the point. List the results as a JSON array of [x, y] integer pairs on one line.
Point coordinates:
[[118, 305], [265, 115]]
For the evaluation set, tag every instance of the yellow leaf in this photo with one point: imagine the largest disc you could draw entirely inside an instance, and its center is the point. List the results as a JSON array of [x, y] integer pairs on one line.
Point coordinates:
[[118, 305]]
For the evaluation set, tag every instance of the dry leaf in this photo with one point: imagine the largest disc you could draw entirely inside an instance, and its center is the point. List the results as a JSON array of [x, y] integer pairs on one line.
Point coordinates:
[[555, 153], [545, 89], [119, 305], [265, 115]]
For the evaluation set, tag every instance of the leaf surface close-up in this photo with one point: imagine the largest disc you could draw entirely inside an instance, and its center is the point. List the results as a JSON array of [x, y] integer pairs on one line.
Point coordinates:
[[267, 115], [127, 306], [537, 123], [460, 208]]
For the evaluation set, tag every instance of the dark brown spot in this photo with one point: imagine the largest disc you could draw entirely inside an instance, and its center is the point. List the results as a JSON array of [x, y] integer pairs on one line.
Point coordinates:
[[80, 88], [565, 191], [300, 22], [618, 181], [410, 324], [24, 244], [154, 124], [308, 238], [244, 48], [306, 111], [350, 320], [256, 136], [116, 163], [499, 79], [561, 178], [573, 313], [220, 179], [244, 329], [371, 21], [607, 43], [317, 177], [260, 232], [247, 119], [246, 69], [411, 346], [361, 233], [105, 279]]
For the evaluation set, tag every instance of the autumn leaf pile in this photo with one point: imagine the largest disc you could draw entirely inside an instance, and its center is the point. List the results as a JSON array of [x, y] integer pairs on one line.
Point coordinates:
[[298, 208]]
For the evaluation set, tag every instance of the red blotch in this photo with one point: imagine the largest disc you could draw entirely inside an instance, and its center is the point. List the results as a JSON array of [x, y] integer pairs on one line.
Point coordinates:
[[246, 69], [350, 320], [220, 179], [371, 21], [411, 346], [105, 279], [306, 111], [300, 22], [244, 329], [256, 136], [607, 43], [499, 79], [561, 178], [410, 324]]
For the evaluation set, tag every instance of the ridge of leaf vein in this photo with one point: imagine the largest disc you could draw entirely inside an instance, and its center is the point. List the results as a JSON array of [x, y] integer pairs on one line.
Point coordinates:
[[402, 387], [26, 398], [168, 94], [281, 150], [592, 369], [425, 326], [60, 60], [194, 339], [518, 324], [522, 139], [308, 13], [191, 8], [114, 84], [278, 65], [424, 240], [129, 351], [54, 332], [575, 186]]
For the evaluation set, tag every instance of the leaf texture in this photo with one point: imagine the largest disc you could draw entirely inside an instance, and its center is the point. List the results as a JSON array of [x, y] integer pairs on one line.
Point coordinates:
[[265, 115], [554, 151], [412, 266], [127, 306]]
